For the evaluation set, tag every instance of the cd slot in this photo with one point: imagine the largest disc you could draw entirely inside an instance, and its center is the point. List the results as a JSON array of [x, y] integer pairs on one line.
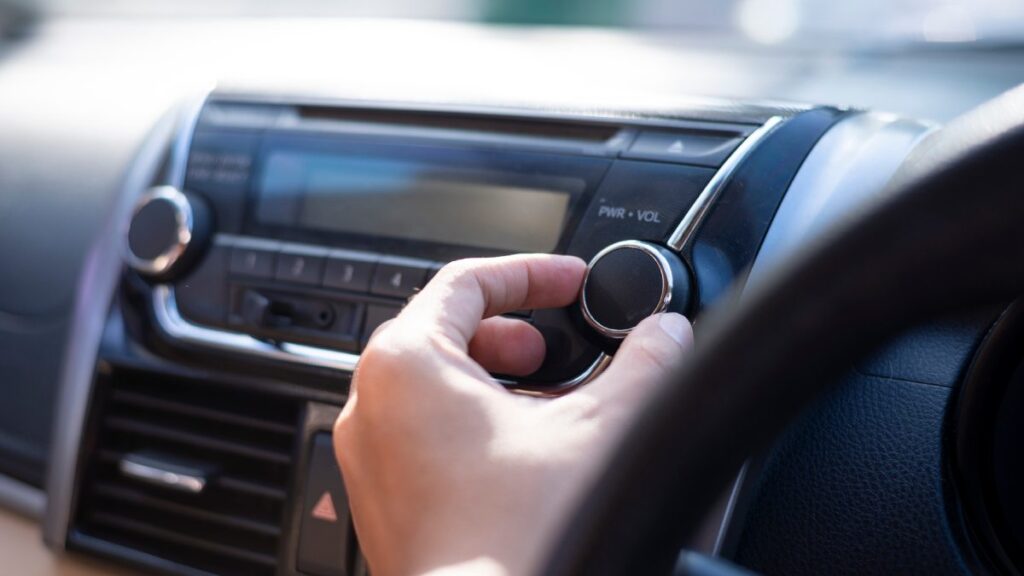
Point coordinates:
[[591, 133], [479, 129]]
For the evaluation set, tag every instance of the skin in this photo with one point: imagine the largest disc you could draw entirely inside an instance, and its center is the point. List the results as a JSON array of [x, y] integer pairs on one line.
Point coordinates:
[[450, 473]]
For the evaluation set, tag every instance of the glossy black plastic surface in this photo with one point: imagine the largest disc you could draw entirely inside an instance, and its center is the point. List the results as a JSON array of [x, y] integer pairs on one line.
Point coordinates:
[[730, 237]]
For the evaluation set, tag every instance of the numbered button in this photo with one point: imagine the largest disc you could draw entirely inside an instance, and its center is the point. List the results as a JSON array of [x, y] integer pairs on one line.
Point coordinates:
[[349, 270], [399, 277], [254, 261], [300, 267]]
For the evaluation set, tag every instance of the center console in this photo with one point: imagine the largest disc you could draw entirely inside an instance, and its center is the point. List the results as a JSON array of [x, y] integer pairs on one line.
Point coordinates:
[[299, 229], [271, 236]]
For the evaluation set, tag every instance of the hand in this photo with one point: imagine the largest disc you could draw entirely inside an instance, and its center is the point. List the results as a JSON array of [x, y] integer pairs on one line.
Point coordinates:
[[445, 468]]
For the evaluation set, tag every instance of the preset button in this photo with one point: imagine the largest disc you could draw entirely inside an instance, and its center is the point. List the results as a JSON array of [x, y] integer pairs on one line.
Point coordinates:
[[254, 259], [399, 277], [301, 266], [349, 270]]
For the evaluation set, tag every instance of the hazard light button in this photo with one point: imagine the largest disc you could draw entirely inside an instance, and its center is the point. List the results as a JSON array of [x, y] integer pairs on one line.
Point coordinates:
[[325, 535]]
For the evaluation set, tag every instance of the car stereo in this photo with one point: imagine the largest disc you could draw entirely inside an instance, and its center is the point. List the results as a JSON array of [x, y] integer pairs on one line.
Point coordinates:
[[296, 229]]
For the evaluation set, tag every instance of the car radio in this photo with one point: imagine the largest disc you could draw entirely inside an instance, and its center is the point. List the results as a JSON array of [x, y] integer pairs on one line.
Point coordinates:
[[295, 229]]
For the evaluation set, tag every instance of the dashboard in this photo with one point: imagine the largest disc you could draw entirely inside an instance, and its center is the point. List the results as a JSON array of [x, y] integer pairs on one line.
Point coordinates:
[[217, 262]]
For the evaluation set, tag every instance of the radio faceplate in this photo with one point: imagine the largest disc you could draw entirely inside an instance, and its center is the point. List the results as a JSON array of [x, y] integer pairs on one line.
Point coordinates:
[[327, 218]]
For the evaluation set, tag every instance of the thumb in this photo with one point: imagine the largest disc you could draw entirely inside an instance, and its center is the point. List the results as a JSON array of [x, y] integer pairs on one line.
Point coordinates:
[[653, 351]]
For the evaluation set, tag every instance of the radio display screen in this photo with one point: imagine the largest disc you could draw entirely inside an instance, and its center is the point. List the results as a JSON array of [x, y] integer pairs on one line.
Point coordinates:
[[415, 200]]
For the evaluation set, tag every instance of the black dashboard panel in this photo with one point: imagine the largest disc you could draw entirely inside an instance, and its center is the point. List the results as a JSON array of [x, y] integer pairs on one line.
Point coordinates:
[[862, 483], [276, 301]]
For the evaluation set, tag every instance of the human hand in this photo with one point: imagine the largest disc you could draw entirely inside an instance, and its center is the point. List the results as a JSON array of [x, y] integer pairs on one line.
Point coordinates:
[[446, 470]]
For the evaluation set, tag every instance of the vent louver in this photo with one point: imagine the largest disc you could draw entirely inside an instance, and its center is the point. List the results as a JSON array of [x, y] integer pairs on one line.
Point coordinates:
[[241, 440]]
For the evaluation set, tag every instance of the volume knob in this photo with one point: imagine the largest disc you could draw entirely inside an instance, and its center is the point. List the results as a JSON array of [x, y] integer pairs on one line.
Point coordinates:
[[630, 280], [167, 229]]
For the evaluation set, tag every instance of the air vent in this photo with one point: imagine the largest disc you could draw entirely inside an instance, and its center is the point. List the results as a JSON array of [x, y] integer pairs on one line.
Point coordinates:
[[191, 472]]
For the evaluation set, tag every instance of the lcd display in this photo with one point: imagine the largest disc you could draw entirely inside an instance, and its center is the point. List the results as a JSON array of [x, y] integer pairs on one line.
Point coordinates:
[[416, 200]]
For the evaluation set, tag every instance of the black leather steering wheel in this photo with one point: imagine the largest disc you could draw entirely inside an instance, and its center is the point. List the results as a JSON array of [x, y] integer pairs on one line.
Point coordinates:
[[948, 234]]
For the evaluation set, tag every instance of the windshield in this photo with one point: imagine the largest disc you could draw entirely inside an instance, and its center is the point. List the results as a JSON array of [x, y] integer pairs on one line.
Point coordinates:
[[761, 21]]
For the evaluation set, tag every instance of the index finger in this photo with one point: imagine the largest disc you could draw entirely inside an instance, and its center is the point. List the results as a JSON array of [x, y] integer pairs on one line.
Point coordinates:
[[465, 292]]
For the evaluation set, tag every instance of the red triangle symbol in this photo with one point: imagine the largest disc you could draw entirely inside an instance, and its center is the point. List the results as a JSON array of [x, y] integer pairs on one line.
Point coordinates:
[[324, 509]]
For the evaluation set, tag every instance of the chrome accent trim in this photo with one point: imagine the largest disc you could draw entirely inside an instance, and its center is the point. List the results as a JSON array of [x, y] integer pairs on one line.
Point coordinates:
[[599, 365], [730, 508], [688, 226], [171, 322], [101, 272], [21, 498], [666, 285], [850, 165], [184, 218], [164, 477]]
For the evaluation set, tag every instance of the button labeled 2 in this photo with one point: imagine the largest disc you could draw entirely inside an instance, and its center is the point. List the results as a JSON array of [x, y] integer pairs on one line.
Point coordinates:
[[299, 267]]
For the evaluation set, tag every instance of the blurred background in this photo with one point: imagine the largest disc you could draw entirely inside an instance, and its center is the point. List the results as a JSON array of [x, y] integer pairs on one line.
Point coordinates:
[[763, 21], [925, 58]]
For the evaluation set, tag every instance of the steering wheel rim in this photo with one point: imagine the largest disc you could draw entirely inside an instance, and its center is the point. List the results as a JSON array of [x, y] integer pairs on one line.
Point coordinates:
[[947, 235]]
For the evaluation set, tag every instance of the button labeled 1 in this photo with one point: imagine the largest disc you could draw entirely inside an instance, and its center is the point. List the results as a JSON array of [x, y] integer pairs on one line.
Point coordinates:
[[254, 262]]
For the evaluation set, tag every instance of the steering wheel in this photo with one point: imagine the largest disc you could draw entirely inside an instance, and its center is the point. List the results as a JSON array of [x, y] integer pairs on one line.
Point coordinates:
[[947, 235]]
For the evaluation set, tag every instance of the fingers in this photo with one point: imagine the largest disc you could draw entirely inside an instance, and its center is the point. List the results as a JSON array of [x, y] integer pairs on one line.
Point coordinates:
[[507, 346], [652, 352], [464, 292]]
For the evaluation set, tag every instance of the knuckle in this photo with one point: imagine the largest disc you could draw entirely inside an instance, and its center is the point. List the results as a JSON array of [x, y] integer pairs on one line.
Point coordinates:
[[391, 359], [382, 355], [344, 436], [342, 430], [581, 407], [396, 348], [654, 352], [461, 269]]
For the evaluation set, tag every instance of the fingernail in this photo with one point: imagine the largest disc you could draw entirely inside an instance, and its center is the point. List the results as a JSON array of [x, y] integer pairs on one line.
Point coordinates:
[[676, 327]]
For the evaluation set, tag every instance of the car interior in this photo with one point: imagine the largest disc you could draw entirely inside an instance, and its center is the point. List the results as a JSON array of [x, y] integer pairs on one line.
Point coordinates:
[[207, 208]]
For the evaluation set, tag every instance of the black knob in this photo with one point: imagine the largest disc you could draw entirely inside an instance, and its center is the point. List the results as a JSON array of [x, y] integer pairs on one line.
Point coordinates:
[[630, 280], [167, 230]]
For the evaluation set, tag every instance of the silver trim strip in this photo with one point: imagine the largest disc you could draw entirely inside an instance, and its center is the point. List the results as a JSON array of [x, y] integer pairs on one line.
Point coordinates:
[[687, 227], [185, 226], [599, 365], [171, 322], [21, 498], [161, 477], [666, 285]]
